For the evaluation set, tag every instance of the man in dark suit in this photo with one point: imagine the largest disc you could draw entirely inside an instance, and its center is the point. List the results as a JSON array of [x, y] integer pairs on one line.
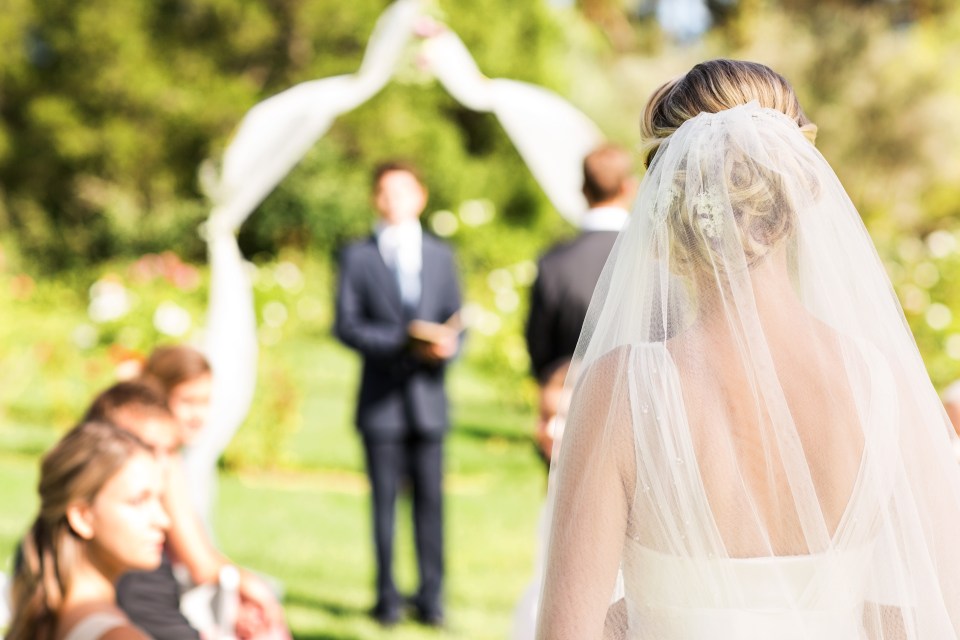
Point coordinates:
[[398, 305], [567, 275]]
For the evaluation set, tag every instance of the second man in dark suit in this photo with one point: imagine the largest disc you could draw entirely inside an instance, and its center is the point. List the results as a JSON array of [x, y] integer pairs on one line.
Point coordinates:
[[397, 305], [567, 275]]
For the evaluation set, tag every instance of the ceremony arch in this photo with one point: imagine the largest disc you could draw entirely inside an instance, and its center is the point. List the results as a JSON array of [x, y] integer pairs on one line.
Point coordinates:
[[276, 133]]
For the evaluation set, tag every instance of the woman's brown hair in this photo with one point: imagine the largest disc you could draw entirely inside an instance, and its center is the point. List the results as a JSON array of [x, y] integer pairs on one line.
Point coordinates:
[[173, 365]]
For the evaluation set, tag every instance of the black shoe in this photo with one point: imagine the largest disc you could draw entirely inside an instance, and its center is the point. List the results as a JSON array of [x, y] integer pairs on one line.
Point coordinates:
[[431, 618], [386, 616]]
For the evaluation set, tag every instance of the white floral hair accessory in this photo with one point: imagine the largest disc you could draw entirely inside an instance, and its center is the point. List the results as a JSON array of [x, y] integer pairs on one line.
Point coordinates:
[[708, 207], [668, 198]]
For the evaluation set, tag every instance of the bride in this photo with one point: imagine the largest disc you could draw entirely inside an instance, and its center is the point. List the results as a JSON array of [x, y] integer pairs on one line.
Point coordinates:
[[753, 448]]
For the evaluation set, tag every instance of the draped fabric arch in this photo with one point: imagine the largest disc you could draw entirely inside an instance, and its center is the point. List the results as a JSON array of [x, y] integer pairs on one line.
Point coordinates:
[[276, 133]]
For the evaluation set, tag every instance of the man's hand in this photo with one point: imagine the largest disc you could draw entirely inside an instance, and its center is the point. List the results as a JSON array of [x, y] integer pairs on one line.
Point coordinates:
[[433, 342], [553, 399], [544, 435]]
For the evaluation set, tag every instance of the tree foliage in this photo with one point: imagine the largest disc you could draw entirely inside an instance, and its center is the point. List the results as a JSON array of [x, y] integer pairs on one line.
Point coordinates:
[[879, 80], [109, 106]]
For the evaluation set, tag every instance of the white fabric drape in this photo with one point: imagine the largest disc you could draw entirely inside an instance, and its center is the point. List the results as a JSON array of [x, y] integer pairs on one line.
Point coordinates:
[[274, 136], [551, 135], [270, 140]]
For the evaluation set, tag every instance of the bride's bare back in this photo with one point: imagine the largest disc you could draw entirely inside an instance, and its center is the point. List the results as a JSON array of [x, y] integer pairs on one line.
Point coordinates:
[[735, 437]]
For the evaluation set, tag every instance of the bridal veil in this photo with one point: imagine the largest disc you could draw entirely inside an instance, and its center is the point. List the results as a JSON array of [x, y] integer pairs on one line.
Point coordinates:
[[753, 444]]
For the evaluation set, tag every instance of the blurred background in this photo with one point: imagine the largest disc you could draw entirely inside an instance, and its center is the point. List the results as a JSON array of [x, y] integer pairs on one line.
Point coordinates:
[[108, 109]]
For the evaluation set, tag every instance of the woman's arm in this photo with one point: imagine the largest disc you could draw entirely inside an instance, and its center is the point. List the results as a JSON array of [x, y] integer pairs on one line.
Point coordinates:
[[187, 537], [192, 546]]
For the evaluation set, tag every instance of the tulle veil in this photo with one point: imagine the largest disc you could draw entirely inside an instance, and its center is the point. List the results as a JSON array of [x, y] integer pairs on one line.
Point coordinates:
[[752, 441]]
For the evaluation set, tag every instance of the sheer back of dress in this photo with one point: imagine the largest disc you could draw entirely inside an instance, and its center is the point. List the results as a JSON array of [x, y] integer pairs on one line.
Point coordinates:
[[746, 390]]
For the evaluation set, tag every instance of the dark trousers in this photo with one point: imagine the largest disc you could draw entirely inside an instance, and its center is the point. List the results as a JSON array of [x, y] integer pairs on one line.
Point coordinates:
[[421, 462]]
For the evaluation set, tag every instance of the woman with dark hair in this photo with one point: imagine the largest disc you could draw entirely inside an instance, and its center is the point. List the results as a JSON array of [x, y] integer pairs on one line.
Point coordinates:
[[185, 376]]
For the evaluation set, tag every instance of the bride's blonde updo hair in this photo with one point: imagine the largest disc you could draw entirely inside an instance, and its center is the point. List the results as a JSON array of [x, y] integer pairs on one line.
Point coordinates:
[[714, 86], [756, 195]]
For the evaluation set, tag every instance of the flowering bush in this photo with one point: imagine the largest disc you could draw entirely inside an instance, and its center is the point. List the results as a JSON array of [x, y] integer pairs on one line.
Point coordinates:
[[69, 337], [76, 333]]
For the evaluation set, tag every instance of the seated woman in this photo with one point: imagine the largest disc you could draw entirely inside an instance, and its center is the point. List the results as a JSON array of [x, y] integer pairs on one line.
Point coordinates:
[[100, 516], [151, 599], [183, 375]]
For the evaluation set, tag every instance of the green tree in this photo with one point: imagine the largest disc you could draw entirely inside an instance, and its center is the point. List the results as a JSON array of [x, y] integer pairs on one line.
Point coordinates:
[[109, 106]]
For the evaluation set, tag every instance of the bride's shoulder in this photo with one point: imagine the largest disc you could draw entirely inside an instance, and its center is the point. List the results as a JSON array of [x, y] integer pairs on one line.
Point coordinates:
[[649, 352], [626, 357], [860, 353], [622, 368]]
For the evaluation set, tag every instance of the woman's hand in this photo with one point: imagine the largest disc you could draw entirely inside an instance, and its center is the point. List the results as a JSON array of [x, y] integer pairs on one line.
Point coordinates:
[[259, 608]]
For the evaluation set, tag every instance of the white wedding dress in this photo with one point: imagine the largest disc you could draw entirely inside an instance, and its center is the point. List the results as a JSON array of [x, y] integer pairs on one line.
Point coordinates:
[[819, 595], [773, 599]]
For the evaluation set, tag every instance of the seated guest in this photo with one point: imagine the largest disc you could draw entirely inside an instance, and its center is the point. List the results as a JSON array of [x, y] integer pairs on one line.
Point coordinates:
[[150, 598], [100, 516], [140, 407], [184, 375]]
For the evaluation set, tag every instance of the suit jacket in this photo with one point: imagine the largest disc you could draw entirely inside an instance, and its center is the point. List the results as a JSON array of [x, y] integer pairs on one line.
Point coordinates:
[[399, 394], [560, 296]]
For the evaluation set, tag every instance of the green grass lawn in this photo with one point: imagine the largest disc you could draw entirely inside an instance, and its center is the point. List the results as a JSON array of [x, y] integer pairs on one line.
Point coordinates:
[[306, 522]]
